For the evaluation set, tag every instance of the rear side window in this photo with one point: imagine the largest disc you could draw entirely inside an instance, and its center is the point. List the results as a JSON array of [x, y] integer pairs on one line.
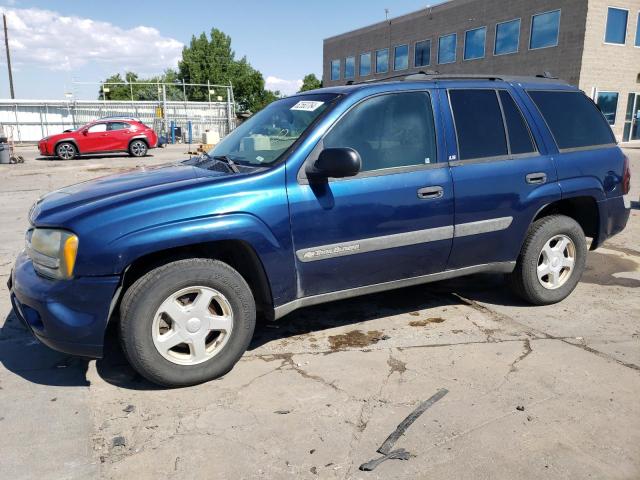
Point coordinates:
[[479, 124], [393, 130], [573, 119], [519, 136], [117, 126]]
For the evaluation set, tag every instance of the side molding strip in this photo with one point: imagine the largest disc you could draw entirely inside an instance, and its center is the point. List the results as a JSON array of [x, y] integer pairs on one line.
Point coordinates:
[[402, 239], [483, 226], [282, 310], [376, 243]]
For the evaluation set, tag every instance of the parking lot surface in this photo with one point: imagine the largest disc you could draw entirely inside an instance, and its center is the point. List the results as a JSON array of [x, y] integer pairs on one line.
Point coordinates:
[[533, 392]]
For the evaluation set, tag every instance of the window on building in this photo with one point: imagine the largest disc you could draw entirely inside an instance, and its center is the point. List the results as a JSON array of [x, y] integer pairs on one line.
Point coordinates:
[[608, 104], [520, 140], [350, 67], [422, 54], [335, 69], [616, 26], [507, 37], [479, 124], [545, 29], [401, 57], [638, 31], [447, 48], [474, 43], [382, 61], [573, 119], [365, 64], [394, 130]]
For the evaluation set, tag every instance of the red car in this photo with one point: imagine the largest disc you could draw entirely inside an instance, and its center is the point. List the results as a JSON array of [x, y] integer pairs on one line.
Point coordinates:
[[101, 136]]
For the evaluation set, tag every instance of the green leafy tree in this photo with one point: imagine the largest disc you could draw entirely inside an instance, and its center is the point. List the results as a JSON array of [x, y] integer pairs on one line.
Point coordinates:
[[205, 60], [310, 82], [120, 88], [211, 59]]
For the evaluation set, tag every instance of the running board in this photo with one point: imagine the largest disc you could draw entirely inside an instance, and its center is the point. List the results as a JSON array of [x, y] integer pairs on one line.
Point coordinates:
[[285, 309]]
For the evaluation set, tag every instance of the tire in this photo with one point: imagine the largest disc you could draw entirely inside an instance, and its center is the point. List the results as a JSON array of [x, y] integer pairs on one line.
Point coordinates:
[[66, 151], [533, 262], [138, 148], [147, 296]]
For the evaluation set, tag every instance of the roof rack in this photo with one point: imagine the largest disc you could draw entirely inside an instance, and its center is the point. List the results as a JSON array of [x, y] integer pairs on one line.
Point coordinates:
[[119, 117], [424, 75]]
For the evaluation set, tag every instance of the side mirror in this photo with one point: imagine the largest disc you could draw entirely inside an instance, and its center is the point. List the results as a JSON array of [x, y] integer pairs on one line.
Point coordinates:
[[335, 163], [85, 131]]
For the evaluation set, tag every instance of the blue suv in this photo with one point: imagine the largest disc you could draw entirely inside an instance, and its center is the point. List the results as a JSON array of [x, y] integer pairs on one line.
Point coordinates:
[[322, 196]]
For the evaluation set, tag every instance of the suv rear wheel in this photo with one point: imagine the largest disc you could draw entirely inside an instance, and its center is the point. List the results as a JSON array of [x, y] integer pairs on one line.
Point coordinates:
[[138, 148], [551, 261], [66, 151], [187, 322]]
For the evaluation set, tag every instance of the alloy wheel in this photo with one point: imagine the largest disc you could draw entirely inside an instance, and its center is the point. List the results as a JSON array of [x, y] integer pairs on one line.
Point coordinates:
[[192, 325], [66, 151], [138, 148], [556, 262]]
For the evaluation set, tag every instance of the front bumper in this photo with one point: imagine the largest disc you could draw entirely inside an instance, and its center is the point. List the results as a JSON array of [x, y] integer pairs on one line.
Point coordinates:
[[42, 147], [67, 315]]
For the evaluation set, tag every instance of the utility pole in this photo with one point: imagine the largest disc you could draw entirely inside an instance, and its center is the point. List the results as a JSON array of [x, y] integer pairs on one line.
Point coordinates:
[[6, 45]]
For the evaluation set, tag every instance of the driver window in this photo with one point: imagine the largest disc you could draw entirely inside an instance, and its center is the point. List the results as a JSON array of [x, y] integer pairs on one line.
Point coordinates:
[[98, 127], [393, 130]]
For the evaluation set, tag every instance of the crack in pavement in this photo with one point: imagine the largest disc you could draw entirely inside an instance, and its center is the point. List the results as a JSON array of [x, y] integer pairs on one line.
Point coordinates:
[[287, 361], [527, 351], [500, 317]]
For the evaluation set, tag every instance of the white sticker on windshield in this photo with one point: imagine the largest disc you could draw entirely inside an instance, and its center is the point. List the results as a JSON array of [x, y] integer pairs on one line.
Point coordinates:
[[307, 106]]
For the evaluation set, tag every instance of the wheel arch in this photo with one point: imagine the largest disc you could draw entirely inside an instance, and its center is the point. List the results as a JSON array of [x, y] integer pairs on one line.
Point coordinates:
[[139, 137], [66, 140], [583, 209], [238, 254]]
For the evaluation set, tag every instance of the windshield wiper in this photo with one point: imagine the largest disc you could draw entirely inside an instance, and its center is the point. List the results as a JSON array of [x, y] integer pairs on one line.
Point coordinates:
[[224, 158]]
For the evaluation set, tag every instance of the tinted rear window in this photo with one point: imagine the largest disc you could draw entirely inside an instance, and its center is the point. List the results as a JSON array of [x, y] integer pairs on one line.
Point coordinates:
[[573, 119], [479, 124], [519, 136]]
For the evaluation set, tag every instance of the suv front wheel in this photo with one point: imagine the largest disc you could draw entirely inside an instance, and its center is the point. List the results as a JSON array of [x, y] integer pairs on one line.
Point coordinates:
[[66, 151], [187, 322], [551, 261]]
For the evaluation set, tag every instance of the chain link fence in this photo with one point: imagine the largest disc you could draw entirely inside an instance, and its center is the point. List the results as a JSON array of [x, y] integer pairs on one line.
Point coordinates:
[[31, 120]]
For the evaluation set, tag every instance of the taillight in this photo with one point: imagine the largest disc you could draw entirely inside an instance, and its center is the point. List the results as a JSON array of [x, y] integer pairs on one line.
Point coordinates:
[[626, 177]]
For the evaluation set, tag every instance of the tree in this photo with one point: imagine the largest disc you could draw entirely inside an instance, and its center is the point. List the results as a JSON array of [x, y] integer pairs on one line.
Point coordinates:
[[310, 82], [212, 60], [120, 90], [205, 60]]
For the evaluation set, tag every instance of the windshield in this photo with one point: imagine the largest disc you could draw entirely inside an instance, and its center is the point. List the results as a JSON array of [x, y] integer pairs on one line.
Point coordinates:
[[262, 139]]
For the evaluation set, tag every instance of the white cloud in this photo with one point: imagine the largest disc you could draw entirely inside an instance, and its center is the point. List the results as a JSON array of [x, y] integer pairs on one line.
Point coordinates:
[[46, 39], [287, 87]]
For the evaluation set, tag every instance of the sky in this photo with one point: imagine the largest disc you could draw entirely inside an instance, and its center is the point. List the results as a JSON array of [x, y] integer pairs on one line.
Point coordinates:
[[56, 42]]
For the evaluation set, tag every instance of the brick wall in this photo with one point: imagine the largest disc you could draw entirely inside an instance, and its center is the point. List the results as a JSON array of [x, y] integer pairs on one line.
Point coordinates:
[[611, 68]]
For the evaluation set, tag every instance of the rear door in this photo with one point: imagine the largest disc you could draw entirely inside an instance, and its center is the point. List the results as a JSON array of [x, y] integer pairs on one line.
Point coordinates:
[[119, 135], [502, 175], [392, 221]]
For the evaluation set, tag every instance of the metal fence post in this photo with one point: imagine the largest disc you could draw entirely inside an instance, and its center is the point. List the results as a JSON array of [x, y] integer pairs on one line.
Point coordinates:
[[173, 132]]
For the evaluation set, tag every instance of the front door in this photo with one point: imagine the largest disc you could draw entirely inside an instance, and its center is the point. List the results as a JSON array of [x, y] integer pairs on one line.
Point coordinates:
[[391, 221], [95, 139], [502, 176], [632, 118]]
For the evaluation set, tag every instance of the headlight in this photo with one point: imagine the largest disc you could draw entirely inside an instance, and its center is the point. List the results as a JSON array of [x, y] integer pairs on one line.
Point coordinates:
[[53, 252]]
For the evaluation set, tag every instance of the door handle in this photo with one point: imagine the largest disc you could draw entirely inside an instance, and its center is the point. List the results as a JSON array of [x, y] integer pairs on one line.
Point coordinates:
[[428, 193], [536, 178]]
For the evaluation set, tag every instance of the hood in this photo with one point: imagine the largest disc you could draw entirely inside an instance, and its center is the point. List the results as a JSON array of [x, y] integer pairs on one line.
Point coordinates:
[[55, 207]]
